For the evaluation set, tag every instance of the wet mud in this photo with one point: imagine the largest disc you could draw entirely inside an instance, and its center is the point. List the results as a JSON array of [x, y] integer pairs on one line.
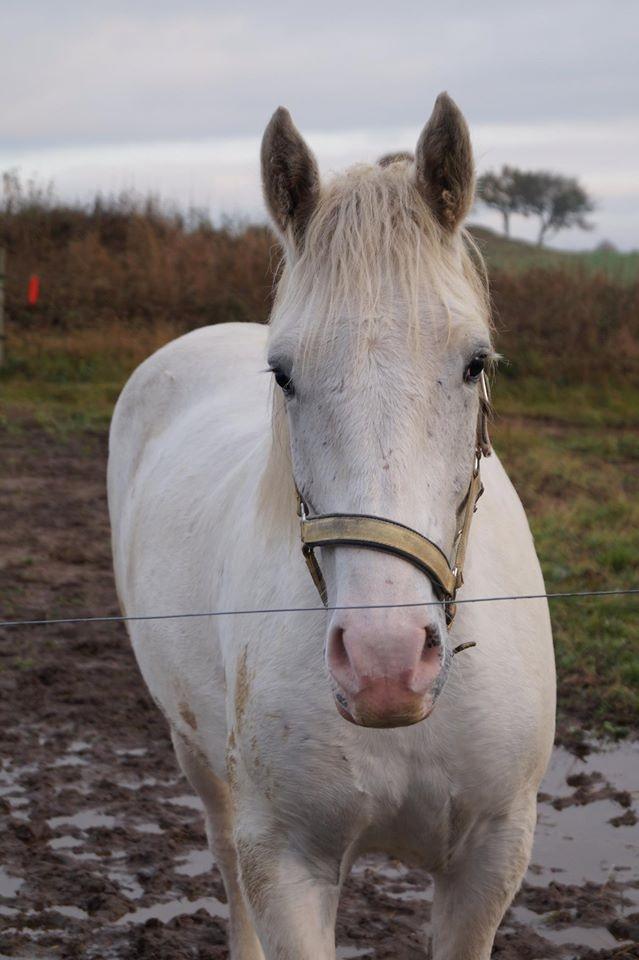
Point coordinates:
[[102, 847]]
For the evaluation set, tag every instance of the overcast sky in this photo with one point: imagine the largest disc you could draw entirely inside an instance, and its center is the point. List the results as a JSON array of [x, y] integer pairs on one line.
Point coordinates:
[[173, 97]]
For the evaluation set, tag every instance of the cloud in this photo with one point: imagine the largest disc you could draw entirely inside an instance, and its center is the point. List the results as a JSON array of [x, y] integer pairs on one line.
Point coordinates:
[[156, 70], [174, 97]]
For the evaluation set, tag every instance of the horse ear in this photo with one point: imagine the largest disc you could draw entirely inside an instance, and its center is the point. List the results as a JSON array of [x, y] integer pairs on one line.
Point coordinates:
[[290, 178], [444, 163]]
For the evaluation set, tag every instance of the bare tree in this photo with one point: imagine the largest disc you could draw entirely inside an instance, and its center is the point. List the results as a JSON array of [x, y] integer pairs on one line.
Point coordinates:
[[500, 191], [558, 201]]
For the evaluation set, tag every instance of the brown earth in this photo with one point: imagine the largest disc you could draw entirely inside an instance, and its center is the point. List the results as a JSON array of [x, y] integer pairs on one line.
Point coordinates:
[[103, 847]]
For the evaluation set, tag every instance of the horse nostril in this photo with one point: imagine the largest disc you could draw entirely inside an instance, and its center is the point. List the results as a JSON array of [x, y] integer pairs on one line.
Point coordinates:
[[431, 642], [337, 649]]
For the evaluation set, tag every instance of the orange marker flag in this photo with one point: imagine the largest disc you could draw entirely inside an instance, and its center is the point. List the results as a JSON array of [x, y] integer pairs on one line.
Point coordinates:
[[33, 290]]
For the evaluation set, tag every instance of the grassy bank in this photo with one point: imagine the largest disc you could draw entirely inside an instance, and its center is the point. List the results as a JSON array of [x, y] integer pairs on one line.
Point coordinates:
[[519, 256]]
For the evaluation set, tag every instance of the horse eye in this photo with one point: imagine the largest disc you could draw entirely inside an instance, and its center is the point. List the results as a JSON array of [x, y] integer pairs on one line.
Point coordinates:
[[283, 380], [475, 368]]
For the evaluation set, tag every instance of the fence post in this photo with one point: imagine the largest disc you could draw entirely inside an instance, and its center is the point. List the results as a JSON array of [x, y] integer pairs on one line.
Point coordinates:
[[3, 260]]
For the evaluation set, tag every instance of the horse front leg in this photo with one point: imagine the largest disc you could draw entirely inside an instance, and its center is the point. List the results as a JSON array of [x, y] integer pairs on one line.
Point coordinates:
[[476, 888], [293, 898], [219, 818]]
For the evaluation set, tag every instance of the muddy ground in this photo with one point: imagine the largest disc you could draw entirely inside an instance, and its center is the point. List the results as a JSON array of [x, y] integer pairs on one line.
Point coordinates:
[[102, 847]]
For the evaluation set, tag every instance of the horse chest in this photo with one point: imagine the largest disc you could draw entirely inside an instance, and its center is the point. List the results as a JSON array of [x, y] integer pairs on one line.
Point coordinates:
[[353, 786]]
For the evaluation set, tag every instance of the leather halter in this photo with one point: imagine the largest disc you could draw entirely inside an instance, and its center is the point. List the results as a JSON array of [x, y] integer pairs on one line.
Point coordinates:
[[378, 533]]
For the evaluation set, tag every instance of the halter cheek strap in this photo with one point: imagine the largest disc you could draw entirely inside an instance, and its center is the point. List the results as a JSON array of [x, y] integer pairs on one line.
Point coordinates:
[[378, 533]]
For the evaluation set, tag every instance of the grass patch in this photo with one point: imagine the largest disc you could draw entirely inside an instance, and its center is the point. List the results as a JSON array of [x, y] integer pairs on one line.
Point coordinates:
[[608, 404], [581, 493], [71, 380]]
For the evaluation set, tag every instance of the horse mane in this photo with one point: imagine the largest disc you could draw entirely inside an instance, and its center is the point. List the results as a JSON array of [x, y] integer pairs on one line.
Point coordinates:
[[373, 252]]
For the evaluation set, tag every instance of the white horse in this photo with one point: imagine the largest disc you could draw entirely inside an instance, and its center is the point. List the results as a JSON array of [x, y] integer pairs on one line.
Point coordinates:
[[377, 342]]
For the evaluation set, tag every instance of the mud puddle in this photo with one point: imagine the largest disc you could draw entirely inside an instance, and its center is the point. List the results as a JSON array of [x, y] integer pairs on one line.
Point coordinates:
[[112, 863]]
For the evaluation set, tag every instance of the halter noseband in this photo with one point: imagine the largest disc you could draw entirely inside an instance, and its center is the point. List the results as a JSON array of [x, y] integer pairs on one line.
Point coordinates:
[[377, 533]]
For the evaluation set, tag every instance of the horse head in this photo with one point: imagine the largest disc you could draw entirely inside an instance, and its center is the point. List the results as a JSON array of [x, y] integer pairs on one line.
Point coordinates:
[[379, 337]]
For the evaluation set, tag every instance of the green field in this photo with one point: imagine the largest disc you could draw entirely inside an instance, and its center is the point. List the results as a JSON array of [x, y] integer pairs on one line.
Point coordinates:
[[506, 253]]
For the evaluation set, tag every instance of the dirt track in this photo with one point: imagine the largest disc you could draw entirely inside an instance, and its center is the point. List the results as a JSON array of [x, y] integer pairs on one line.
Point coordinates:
[[103, 849]]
